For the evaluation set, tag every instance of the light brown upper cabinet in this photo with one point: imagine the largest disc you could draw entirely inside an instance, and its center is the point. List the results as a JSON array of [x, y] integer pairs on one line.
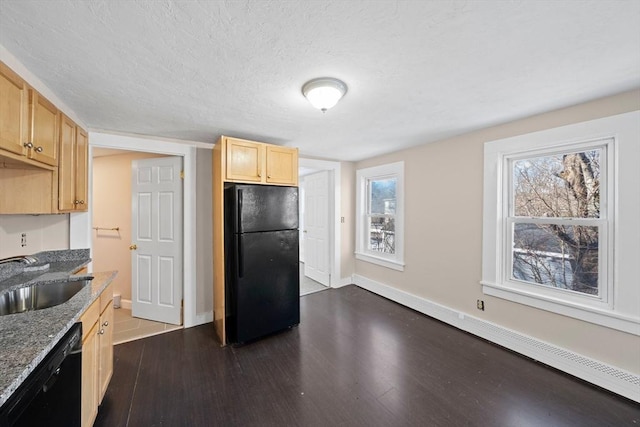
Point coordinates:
[[28, 122], [82, 168], [13, 111], [72, 183], [43, 129], [244, 160], [250, 161], [281, 165]]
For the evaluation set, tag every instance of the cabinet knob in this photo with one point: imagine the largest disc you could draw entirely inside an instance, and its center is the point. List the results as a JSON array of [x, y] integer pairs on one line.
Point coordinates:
[[106, 323], [101, 332], [269, 176], [259, 175], [82, 202], [76, 202], [28, 144], [39, 149]]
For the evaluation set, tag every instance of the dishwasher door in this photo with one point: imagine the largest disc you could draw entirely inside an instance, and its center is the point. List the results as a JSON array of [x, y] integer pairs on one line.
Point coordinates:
[[51, 394]]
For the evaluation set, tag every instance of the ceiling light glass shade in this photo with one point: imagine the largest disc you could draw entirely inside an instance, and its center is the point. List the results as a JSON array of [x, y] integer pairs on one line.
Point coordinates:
[[325, 92]]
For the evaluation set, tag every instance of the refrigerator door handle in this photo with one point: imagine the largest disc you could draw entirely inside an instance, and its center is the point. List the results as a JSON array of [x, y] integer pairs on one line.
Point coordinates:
[[239, 219], [240, 257]]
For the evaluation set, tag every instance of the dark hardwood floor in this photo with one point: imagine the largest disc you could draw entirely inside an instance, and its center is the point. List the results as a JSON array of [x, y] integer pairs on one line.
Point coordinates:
[[356, 359]]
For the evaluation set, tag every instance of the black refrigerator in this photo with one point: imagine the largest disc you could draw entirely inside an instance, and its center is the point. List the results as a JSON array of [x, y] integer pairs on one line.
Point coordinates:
[[262, 271]]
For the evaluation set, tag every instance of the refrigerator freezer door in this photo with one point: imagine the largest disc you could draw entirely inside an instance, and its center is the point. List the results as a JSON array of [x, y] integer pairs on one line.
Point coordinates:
[[263, 207], [267, 285]]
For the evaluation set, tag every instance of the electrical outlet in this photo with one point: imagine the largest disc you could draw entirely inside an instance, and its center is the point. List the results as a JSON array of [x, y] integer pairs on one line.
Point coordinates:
[[480, 304], [23, 240]]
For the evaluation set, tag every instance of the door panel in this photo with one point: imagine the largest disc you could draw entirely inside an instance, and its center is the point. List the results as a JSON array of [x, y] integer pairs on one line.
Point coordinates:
[[263, 207], [44, 129], [316, 227], [143, 268], [268, 286], [244, 160], [157, 234], [13, 111]]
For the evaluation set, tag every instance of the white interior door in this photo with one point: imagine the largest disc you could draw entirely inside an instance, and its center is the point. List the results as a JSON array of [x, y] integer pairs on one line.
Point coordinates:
[[156, 231], [316, 227]]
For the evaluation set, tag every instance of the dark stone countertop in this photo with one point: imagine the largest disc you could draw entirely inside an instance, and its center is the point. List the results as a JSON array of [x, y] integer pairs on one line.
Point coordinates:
[[26, 338]]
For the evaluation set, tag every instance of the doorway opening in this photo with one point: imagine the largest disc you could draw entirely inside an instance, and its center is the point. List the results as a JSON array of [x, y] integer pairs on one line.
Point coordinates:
[[112, 201], [319, 241]]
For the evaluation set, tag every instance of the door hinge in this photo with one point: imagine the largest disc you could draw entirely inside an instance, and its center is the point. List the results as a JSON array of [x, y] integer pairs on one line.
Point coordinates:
[[181, 174]]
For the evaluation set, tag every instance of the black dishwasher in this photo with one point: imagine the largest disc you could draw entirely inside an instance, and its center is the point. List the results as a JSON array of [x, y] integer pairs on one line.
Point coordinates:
[[51, 394]]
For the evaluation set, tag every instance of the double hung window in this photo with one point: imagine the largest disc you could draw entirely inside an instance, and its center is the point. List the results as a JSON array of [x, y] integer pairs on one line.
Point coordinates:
[[380, 215], [561, 220], [556, 224]]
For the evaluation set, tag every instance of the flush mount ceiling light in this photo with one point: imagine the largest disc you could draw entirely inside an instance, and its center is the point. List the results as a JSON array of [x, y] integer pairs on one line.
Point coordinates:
[[324, 92]]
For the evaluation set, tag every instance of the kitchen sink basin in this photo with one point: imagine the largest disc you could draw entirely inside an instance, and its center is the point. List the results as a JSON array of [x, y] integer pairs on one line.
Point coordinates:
[[39, 296]]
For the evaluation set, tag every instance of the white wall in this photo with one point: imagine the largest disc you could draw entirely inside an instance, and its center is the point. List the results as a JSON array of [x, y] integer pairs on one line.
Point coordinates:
[[204, 226], [44, 233]]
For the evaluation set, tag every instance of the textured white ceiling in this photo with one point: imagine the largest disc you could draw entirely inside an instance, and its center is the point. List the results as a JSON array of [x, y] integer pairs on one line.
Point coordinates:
[[417, 71]]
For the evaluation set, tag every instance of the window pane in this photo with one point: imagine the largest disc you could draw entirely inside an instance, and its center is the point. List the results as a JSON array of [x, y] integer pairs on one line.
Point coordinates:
[[382, 196], [561, 185], [382, 234], [560, 256]]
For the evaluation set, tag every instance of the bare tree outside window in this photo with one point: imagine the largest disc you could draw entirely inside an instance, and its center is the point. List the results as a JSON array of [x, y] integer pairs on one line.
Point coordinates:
[[382, 211], [551, 195]]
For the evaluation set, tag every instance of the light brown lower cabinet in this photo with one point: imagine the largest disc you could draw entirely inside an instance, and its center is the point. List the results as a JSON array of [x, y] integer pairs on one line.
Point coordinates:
[[97, 354]]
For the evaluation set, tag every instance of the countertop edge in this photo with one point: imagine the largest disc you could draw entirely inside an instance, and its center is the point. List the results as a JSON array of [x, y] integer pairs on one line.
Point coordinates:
[[97, 287]]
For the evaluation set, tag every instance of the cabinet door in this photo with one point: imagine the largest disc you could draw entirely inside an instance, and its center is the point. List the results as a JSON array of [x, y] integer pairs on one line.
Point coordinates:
[[82, 163], [106, 349], [89, 377], [282, 165], [13, 111], [244, 160], [44, 136], [66, 168]]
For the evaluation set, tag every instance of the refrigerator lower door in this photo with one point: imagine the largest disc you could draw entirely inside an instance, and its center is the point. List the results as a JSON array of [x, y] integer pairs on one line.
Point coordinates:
[[266, 291]]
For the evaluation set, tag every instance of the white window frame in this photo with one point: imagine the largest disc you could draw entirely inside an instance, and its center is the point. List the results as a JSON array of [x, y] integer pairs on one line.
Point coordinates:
[[616, 304], [604, 299], [363, 176]]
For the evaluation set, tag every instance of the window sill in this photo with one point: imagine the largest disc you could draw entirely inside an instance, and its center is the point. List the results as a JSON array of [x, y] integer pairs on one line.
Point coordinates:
[[597, 316], [394, 265]]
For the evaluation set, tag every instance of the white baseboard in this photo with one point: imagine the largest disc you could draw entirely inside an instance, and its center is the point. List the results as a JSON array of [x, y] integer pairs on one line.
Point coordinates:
[[601, 374], [200, 319], [343, 282]]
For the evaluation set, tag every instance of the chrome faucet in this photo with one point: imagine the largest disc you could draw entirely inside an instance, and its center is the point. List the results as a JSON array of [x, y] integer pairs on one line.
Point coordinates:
[[25, 259]]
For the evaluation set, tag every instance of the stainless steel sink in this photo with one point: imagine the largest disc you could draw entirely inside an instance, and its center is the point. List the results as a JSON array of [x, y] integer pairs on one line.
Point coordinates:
[[39, 296]]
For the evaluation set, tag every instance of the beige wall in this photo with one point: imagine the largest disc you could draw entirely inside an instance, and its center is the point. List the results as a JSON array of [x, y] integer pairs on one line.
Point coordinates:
[[347, 210], [443, 238], [44, 233], [204, 227], [111, 206]]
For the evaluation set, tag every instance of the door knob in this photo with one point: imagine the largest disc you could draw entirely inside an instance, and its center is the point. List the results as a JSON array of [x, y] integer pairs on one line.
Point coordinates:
[[133, 247]]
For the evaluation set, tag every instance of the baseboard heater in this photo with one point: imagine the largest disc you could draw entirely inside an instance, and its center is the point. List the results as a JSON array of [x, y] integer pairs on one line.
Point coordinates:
[[601, 374]]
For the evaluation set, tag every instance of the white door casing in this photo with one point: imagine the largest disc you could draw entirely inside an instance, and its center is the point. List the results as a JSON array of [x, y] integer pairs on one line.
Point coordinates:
[[156, 230], [301, 208], [316, 227]]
